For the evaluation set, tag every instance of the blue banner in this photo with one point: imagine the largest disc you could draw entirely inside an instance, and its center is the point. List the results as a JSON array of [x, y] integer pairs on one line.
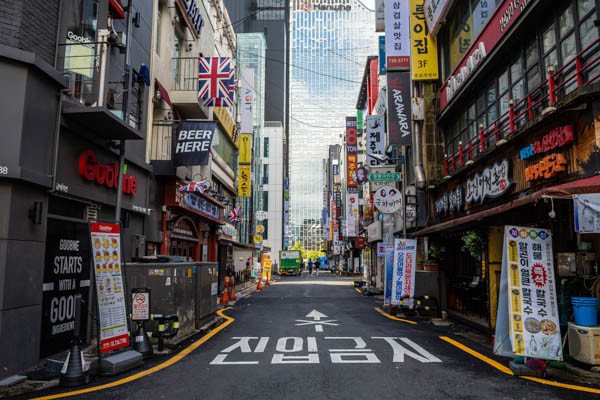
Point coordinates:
[[382, 65], [389, 265]]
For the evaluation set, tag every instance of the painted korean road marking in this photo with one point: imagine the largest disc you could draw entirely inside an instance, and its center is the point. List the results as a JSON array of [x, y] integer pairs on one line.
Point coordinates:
[[317, 321], [299, 350]]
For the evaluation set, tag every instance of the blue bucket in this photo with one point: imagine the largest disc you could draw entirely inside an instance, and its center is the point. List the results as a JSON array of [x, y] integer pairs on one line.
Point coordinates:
[[585, 310]]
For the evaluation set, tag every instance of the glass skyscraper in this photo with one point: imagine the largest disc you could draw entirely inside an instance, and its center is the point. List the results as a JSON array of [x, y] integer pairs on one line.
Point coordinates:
[[330, 41]]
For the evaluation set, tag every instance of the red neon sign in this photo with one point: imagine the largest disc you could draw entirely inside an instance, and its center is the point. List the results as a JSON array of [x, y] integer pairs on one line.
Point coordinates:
[[107, 175]]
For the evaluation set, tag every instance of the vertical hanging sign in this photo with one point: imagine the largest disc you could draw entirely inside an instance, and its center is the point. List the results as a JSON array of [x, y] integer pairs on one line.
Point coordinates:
[[397, 35], [351, 153], [352, 214], [527, 304], [247, 100], [106, 249], [399, 108], [375, 138], [423, 48]]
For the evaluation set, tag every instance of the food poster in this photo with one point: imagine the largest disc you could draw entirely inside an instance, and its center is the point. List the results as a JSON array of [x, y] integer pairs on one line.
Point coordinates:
[[106, 248], [528, 292]]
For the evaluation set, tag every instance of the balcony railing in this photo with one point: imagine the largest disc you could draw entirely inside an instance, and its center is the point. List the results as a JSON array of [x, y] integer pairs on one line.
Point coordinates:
[[580, 71], [185, 73], [161, 140]]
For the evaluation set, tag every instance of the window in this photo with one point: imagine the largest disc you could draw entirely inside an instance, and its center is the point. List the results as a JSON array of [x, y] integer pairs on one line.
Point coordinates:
[[265, 200], [224, 148], [266, 148], [266, 174], [265, 234], [158, 30]]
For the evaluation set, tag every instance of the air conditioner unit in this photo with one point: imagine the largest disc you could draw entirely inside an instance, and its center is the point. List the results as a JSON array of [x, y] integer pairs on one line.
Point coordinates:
[[583, 343]]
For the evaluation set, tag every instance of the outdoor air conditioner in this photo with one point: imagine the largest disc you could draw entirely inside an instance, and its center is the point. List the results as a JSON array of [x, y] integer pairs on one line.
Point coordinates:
[[583, 343]]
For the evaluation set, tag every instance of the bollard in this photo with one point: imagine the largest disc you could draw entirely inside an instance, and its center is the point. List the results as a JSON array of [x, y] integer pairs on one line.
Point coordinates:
[[142, 343], [163, 333], [74, 370]]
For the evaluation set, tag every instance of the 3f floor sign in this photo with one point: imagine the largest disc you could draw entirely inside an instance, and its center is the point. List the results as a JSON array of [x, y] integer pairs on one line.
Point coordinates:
[[334, 349]]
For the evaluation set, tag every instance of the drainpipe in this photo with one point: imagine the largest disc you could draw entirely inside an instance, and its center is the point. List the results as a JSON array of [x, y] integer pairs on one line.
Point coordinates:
[[57, 140], [418, 142]]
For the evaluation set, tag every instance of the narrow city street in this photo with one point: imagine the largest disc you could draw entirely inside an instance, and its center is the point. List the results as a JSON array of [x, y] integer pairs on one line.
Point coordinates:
[[317, 338]]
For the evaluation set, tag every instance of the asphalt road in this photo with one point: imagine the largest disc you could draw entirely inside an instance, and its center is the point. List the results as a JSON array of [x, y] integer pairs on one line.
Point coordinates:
[[276, 349]]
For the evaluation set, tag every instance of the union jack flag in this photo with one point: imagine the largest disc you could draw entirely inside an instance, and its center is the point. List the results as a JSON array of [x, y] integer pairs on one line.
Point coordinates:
[[195, 187], [234, 215], [214, 77], [223, 101]]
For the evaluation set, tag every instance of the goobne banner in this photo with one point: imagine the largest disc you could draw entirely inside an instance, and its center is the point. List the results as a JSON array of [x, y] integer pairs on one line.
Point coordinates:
[[423, 53], [403, 270], [527, 305]]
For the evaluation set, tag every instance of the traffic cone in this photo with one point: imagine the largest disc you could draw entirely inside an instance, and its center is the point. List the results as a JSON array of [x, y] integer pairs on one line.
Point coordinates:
[[232, 292], [224, 297], [268, 282], [259, 287]]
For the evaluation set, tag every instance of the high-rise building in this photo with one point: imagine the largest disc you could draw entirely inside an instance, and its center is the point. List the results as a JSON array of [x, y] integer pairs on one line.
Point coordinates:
[[329, 42]]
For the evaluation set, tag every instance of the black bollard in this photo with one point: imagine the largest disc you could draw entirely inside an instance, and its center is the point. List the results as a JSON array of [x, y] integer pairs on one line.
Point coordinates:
[[74, 372], [142, 343]]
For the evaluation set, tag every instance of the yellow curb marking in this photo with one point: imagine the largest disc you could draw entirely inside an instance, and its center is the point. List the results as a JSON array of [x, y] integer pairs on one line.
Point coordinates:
[[176, 358], [507, 370], [380, 311]]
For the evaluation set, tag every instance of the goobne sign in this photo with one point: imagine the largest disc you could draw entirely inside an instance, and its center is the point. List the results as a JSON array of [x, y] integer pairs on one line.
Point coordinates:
[[105, 174]]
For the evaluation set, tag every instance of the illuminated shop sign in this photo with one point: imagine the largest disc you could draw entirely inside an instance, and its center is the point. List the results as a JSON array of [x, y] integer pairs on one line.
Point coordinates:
[[456, 81], [554, 139], [105, 174]]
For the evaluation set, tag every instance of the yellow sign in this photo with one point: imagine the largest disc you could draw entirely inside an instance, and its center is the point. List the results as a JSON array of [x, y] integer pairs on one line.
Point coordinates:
[[260, 229], [258, 239], [244, 181], [227, 123], [423, 49], [267, 268], [245, 148]]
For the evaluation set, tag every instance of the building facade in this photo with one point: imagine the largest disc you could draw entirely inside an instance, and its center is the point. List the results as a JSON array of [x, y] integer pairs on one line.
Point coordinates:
[[328, 43]]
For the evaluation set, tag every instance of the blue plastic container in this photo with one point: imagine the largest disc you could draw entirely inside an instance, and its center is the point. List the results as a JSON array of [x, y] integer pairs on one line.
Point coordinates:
[[585, 310]]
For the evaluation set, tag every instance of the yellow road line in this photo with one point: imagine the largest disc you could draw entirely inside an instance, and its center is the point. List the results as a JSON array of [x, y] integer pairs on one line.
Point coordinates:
[[507, 370], [476, 354], [380, 311], [176, 358]]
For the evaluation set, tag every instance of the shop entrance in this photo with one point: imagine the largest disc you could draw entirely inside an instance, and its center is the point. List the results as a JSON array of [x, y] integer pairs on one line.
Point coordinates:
[[184, 240]]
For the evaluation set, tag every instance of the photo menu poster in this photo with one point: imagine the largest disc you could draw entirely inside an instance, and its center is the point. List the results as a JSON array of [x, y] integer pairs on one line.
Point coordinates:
[[106, 249]]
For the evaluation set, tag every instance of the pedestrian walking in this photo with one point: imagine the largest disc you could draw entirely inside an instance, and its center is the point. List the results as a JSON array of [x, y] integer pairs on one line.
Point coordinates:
[[310, 267]]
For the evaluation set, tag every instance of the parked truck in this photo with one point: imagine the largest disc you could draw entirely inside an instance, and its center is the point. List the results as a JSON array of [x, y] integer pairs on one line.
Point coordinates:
[[290, 262]]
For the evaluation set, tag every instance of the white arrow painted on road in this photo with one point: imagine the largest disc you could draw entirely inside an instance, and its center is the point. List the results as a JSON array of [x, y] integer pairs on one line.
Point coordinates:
[[314, 314]]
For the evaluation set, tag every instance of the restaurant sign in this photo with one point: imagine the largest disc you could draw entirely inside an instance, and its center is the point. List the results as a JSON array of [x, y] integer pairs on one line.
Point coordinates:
[[492, 182], [554, 139], [450, 201]]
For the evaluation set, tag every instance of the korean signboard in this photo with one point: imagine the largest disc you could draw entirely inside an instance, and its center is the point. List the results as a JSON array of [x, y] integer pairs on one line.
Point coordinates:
[[382, 59], [246, 124], [140, 304], [389, 266], [106, 250], [492, 182], [387, 200], [527, 305], [351, 152], [375, 137], [403, 270], [66, 273], [423, 47], [352, 214], [399, 108], [245, 156], [192, 141], [244, 181], [376, 185], [397, 35], [434, 12]]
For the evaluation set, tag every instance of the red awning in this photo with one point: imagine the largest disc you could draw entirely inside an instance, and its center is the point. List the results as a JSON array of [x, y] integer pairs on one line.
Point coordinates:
[[586, 185], [164, 94], [116, 9]]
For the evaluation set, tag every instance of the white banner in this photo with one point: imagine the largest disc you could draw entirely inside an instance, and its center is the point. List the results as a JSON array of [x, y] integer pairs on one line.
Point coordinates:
[[352, 214], [247, 100], [527, 305], [397, 35], [375, 138], [403, 270], [587, 213]]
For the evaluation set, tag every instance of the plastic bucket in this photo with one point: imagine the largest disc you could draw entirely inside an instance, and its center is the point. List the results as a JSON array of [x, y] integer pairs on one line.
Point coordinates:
[[585, 310]]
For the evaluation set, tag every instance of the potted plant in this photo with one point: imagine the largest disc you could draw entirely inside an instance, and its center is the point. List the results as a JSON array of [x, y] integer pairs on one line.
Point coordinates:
[[475, 242], [435, 255]]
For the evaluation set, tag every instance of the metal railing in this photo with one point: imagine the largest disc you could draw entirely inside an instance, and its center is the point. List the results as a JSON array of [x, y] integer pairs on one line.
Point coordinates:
[[580, 71], [185, 73], [161, 139]]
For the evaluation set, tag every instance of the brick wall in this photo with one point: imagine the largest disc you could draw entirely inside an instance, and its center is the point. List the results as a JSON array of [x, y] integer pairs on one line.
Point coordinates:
[[30, 25]]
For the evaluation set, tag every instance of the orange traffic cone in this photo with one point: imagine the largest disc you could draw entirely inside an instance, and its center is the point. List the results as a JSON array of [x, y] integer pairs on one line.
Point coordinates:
[[232, 291], [224, 298], [259, 287], [268, 282]]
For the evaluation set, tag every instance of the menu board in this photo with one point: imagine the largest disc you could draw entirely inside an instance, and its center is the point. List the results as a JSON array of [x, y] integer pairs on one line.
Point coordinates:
[[106, 249], [528, 311]]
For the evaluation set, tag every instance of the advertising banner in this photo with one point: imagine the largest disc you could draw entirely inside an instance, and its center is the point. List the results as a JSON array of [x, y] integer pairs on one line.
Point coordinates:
[[403, 278], [244, 180], [375, 138], [325, 223], [382, 59], [381, 248], [352, 214], [423, 53], [398, 108], [267, 265], [247, 100], [434, 12], [387, 199], [351, 152], [379, 16], [245, 156], [527, 304], [389, 266], [397, 35], [587, 213], [66, 273], [191, 142], [106, 248]]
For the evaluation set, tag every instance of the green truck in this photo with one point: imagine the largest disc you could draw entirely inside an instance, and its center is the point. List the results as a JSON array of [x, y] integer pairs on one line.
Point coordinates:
[[290, 262]]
